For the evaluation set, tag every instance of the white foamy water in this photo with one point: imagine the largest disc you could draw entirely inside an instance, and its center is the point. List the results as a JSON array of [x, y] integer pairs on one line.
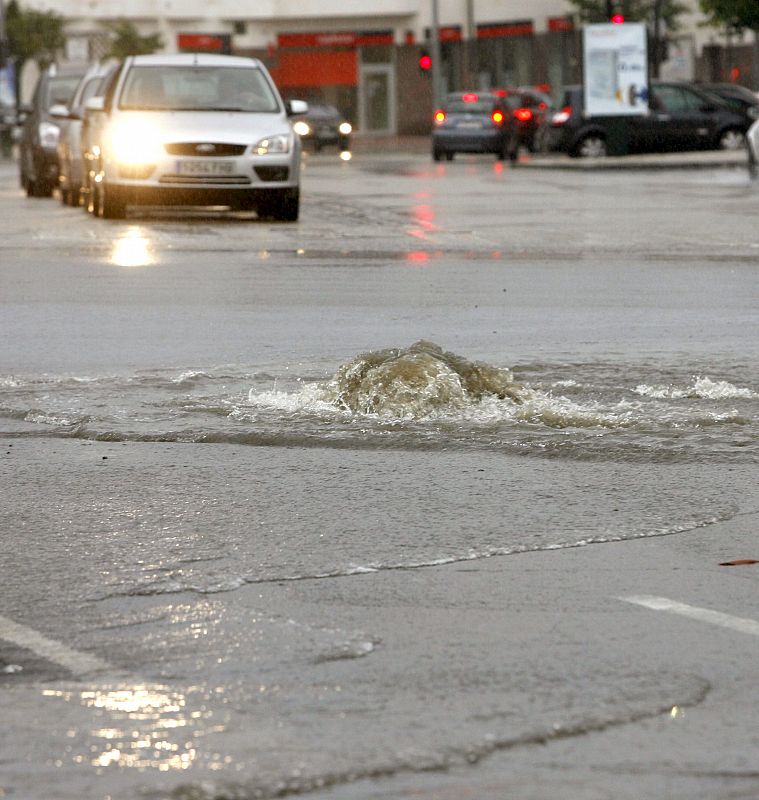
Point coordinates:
[[420, 397], [702, 388]]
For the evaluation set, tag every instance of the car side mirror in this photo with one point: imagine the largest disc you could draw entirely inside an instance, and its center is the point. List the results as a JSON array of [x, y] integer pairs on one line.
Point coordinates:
[[95, 104], [59, 111], [296, 107]]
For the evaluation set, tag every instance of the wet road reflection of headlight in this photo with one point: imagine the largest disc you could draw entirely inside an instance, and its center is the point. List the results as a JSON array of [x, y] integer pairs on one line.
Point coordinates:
[[302, 128], [132, 249], [136, 144], [279, 143]]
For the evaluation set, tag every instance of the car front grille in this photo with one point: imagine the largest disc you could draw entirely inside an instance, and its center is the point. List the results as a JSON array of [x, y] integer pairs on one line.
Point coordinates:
[[206, 180], [201, 149]]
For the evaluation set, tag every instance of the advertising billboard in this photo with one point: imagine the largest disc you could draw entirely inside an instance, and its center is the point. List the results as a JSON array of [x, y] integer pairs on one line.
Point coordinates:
[[615, 69]]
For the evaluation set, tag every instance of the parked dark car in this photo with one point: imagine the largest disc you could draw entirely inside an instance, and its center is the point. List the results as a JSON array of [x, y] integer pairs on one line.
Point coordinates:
[[532, 110], [681, 117], [475, 122], [739, 98], [38, 157], [324, 126]]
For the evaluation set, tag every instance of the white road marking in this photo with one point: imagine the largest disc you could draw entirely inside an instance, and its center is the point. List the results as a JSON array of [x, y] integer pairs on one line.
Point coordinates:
[[741, 624], [29, 639]]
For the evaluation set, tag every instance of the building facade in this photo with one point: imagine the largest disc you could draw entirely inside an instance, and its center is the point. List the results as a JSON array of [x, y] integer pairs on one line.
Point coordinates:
[[363, 55]]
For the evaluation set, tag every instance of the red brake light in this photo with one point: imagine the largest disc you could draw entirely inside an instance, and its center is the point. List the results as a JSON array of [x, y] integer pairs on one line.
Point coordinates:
[[470, 98], [497, 117], [439, 116], [523, 114]]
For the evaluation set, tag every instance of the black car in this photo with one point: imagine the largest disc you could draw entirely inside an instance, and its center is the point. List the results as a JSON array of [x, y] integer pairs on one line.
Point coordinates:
[[475, 122], [681, 117], [532, 112], [739, 98], [324, 126], [38, 157]]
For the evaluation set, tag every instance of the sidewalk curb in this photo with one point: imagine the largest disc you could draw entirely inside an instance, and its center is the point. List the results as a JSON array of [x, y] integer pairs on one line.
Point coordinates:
[[394, 146]]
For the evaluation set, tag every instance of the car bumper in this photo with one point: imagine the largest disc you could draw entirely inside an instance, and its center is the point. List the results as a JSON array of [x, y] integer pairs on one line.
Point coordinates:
[[207, 181], [480, 142]]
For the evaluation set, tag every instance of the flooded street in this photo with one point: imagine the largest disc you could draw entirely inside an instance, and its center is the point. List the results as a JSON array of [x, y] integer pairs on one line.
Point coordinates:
[[374, 505]]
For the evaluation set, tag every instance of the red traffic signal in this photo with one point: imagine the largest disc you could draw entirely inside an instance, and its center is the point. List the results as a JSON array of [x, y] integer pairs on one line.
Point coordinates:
[[618, 19], [425, 62]]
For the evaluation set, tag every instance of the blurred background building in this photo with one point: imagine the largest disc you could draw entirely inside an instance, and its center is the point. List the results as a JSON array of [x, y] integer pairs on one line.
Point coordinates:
[[363, 56]]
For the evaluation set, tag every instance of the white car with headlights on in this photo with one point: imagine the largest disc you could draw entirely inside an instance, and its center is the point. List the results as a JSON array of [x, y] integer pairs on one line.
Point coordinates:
[[195, 129]]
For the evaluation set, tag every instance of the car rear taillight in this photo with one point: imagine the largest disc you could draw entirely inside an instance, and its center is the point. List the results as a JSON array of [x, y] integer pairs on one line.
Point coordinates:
[[470, 97], [560, 117], [523, 114], [439, 116], [497, 117]]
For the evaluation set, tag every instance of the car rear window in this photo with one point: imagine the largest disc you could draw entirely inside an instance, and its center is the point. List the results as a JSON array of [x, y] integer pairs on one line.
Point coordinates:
[[479, 106], [60, 89], [193, 88]]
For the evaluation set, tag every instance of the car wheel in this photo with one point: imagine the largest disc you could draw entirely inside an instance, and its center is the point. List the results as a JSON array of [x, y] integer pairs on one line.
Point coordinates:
[[732, 139], [282, 205], [39, 188], [592, 146], [111, 205], [449, 156], [437, 154]]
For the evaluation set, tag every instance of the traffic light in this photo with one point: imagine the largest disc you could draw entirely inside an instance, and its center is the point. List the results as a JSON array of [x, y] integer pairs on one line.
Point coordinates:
[[617, 19], [425, 62]]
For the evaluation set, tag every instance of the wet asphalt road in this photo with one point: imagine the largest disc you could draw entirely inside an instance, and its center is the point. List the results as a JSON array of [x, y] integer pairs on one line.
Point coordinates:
[[624, 670]]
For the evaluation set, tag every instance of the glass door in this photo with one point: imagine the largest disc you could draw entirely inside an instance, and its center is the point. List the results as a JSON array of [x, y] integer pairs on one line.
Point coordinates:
[[377, 99]]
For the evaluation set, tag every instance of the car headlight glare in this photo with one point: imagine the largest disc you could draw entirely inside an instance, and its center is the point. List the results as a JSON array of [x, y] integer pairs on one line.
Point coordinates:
[[345, 128], [135, 144], [49, 134], [279, 143], [302, 128]]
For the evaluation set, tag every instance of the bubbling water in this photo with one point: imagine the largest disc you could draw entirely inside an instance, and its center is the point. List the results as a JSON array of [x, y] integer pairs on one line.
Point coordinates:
[[415, 381]]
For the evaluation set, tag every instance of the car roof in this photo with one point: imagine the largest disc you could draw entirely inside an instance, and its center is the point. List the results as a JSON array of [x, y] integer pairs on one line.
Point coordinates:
[[64, 71], [194, 59]]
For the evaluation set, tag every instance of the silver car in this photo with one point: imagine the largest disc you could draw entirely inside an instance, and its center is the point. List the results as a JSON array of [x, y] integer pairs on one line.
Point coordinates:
[[71, 169], [194, 129]]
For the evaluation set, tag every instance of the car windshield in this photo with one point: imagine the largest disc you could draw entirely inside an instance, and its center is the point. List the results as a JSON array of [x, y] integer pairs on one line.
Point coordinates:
[[193, 88], [479, 106], [322, 111], [60, 89]]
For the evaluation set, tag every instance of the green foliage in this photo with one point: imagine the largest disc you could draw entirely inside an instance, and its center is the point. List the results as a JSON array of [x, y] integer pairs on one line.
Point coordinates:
[[634, 10], [127, 41], [735, 15], [33, 35]]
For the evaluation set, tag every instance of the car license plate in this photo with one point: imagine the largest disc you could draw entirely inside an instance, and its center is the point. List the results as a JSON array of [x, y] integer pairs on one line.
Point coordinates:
[[470, 125], [205, 167]]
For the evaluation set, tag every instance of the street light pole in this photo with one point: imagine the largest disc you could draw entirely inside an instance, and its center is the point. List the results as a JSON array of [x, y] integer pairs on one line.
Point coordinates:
[[437, 73], [470, 52]]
